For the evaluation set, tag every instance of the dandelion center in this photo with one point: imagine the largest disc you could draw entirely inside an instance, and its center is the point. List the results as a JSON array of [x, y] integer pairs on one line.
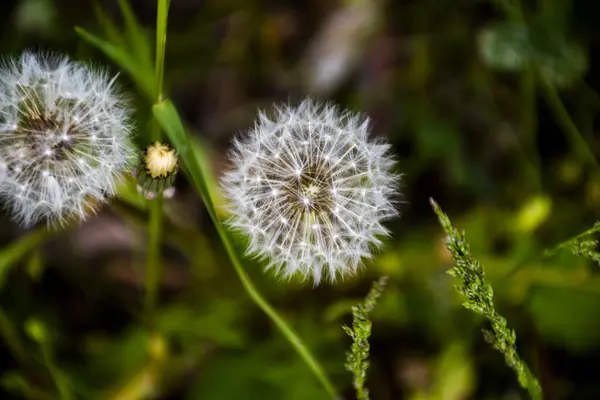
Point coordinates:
[[49, 128], [311, 191]]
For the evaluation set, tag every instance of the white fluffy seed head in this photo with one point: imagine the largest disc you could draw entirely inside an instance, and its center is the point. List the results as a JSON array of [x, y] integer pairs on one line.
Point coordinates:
[[64, 138], [311, 191]]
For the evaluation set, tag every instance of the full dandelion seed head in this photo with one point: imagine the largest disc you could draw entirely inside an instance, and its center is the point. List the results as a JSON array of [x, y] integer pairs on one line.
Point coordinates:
[[64, 138], [311, 191]]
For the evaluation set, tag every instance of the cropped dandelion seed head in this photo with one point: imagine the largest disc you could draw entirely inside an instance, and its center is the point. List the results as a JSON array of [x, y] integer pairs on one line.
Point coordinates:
[[64, 138], [311, 191]]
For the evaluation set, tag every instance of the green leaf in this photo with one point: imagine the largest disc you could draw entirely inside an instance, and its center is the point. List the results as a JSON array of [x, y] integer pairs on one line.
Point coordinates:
[[114, 360], [567, 316], [512, 46], [137, 38], [236, 375], [141, 74], [505, 46], [562, 64], [110, 28], [11, 255], [217, 324], [454, 373]]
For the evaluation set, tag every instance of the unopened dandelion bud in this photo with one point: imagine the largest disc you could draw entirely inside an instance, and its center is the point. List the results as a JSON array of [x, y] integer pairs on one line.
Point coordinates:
[[311, 191], [156, 173]]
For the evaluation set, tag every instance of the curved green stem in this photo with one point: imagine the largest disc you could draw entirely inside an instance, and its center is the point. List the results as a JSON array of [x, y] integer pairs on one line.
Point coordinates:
[[153, 260], [576, 140], [61, 384], [195, 159], [529, 121], [162, 16], [283, 326]]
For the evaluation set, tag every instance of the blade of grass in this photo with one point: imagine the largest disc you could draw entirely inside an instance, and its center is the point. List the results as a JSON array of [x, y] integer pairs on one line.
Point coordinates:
[[161, 42], [38, 331], [110, 28], [138, 71], [195, 158], [196, 165], [576, 140], [135, 33]]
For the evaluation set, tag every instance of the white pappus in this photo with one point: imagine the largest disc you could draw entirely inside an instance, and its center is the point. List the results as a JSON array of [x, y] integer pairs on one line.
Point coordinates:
[[64, 138], [311, 191]]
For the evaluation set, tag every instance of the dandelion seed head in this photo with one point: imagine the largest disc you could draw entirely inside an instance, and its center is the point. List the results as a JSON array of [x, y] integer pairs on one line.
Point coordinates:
[[57, 119], [319, 193]]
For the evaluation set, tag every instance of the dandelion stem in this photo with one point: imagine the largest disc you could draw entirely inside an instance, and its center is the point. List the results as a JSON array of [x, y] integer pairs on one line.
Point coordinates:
[[153, 261], [576, 140], [195, 160], [529, 121], [283, 326]]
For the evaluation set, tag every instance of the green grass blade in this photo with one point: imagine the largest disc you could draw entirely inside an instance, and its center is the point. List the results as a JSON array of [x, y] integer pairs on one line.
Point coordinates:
[[195, 160], [111, 31], [135, 35], [140, 73], [161, 40], [194, 156]]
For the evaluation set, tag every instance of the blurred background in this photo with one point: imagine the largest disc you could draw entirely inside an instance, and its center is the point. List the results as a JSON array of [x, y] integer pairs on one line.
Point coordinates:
[[482, 110]]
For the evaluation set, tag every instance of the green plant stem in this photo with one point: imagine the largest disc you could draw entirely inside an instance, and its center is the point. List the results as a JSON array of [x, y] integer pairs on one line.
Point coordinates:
[[162, 16], [257, 297], [195, 159], [59, 381], [571, 241], [576, 140], [153, 261], [529, 121], [264, 305]]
